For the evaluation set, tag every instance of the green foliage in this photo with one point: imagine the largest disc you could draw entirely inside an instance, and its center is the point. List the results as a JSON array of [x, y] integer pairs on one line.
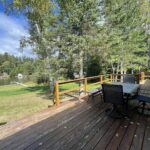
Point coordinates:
[[13, 65], [80, 28], [127, 38], [91, 36]]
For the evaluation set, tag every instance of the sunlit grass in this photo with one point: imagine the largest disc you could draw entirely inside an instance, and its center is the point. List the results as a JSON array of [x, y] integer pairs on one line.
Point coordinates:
[[17, 101], [69, 86]]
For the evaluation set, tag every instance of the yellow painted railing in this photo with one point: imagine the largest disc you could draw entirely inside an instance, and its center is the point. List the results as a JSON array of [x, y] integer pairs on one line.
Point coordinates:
[[99, 80]]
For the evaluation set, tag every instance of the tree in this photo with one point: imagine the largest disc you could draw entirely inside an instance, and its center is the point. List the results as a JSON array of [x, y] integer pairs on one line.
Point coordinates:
[[66, 35], [42, 21], [126, 36]]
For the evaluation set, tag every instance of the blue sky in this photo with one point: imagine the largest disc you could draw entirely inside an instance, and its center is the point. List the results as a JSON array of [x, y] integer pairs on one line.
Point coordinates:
[[12, 29]]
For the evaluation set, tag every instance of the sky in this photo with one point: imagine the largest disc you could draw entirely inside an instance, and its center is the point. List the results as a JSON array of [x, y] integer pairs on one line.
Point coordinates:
[[12, 29]]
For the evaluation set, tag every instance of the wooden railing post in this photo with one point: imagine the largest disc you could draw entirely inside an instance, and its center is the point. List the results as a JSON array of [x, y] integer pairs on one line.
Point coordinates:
[[111, 78], [85, 85], [101, 79], [142, 76], [57, 93]]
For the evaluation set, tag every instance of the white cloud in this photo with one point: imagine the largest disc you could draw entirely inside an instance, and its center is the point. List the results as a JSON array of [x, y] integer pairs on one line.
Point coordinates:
[[11, 31]]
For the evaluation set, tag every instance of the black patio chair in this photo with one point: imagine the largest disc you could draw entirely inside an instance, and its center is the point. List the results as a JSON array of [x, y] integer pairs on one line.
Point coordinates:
[[114, 94], [129, 79], [144, 100], [143, 97]]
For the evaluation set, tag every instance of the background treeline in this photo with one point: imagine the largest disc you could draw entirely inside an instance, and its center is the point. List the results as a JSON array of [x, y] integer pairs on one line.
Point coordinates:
[[12, 65], [86, 37], [35, 69], [32, 69]]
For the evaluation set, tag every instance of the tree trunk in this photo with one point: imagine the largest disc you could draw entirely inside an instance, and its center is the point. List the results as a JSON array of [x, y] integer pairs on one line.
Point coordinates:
[[121, 70], [149, 52], [51, 80], [125, 71], [117, 71], [81, 64], [81, 71], [113, 71]]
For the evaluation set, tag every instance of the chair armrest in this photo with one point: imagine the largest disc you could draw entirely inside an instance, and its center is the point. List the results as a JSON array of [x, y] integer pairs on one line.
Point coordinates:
[[143, 98], [96, 91]]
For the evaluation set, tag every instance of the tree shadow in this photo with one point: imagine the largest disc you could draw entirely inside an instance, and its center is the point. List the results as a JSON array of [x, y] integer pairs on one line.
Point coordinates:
[[39, 89]]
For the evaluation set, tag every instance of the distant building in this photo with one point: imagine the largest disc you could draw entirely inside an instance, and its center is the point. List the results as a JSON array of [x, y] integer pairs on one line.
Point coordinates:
[[20, 76]]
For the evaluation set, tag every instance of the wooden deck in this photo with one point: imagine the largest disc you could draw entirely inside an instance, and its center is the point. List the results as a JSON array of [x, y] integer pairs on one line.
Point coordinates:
[[84, 126]]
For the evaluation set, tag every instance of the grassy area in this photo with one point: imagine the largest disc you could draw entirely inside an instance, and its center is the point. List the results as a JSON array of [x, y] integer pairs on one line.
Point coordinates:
[[75, 85], [17, 101], [68, 86]]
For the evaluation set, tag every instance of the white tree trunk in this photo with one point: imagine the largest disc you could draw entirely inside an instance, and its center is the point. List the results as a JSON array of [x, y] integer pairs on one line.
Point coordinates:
[[51, 80], [113, 71], [81, 71], [121, 70], [81, 64], [117, 70]]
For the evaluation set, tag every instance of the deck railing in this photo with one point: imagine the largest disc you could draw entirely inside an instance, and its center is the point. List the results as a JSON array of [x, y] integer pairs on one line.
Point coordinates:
[[84, 83]]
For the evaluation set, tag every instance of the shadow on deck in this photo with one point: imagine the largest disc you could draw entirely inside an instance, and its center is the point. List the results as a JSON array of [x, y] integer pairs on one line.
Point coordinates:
[[84, 126]]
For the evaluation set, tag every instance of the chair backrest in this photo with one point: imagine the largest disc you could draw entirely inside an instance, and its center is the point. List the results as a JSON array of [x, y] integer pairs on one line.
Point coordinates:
[[129, 79], [113, 93]]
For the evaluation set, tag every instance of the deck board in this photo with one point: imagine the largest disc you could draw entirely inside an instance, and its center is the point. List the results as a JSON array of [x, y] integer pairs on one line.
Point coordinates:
[[86, 138], [68, 140], [108, 135], [77, 134], [139, 134], [116, 140], [129, 135], [99, 134], [146, 142], [53, 138], [85, 126], [50, 123], [27, 139]]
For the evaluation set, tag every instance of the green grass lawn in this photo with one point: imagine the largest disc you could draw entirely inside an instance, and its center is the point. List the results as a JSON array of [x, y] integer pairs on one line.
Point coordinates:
[[17, 101]]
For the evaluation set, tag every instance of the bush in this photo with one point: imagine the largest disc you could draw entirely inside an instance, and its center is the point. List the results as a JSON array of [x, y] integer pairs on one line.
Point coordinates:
[[42, 79]]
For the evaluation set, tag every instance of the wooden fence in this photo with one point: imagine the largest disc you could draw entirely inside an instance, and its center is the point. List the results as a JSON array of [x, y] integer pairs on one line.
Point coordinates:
[[84, 83]]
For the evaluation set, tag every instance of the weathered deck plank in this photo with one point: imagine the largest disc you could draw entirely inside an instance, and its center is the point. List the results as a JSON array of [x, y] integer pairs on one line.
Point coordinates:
[[108, 135], [146, 142], [16, 126], [99, 134], [73, 137], [51, 125], [85, 127], [129, 135], [86, 139], [139, 134], [115, 141], [60, 132]]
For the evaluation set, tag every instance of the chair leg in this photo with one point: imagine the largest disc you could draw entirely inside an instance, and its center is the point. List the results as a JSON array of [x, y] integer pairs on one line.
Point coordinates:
[[101, 96], [126, 106], [143, 107], [88, 98], [115, 113]]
